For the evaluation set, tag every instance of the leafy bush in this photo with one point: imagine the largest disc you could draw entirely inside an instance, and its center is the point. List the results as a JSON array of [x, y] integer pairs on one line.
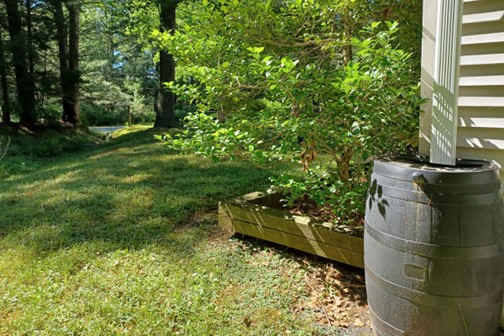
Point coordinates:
[[320, 93], [96, 115], [143, 115], [47, 141], [322, 193], [50, 113]]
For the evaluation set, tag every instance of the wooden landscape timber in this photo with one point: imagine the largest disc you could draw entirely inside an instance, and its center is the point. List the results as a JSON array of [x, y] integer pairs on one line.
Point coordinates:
[[259, 215]]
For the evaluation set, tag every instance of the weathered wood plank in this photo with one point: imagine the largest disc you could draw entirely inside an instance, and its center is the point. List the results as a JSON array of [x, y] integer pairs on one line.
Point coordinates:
[[301, 243], [224, 218], [250, 215], [296, 225]]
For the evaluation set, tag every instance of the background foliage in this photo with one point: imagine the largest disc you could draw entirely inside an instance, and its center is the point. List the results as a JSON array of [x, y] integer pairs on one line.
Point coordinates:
[[117, 67]]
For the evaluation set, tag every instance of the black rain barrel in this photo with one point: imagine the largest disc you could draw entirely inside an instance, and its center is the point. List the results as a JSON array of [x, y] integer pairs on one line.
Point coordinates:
[[433, 249]]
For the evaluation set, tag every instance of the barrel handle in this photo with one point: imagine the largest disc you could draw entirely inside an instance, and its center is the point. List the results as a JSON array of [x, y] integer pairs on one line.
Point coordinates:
[[419, 179]]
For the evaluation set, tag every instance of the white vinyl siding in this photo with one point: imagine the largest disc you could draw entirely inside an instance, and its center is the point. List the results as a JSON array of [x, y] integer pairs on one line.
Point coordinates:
[[480, 127], [480, 133]]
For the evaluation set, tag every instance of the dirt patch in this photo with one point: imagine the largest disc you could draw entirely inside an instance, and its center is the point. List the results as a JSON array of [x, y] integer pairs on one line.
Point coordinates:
[[337, 294], [209, 218]]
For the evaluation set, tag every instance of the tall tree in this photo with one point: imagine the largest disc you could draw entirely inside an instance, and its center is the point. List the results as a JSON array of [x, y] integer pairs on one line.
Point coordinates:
[[6, 115], [61, 37], [67, 36], [24, 83], [71, 115], [31, 51], [165, 114]]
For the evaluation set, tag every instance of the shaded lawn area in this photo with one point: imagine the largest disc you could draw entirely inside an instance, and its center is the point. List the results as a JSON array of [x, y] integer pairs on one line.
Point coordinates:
[[122, 239]]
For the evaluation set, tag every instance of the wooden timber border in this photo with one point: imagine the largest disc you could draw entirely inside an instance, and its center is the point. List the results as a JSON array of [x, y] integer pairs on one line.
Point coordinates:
[[259, 215]]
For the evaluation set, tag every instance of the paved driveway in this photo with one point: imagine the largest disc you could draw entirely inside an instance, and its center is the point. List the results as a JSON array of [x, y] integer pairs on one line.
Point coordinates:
[[105, 129]]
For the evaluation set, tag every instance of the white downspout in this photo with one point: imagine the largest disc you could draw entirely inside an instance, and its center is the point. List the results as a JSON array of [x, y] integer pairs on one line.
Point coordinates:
[[443, 149]]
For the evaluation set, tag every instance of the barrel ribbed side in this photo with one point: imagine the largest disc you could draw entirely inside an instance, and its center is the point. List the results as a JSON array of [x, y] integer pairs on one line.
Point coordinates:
[[433, 249]]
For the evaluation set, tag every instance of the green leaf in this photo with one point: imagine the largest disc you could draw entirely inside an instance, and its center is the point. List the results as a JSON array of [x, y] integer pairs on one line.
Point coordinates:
[[255, 50]]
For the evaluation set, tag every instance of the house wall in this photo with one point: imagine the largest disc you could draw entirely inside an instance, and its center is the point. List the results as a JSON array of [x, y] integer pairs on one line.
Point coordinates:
[[480, 133]]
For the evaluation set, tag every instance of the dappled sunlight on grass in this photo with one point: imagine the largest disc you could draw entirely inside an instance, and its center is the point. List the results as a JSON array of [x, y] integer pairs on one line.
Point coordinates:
[[137, 178], [105, 154], [121, 238], [102, 204]]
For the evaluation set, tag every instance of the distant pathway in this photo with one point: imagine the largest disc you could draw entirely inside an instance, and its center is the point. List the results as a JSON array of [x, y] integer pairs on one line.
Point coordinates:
[[106, 129]]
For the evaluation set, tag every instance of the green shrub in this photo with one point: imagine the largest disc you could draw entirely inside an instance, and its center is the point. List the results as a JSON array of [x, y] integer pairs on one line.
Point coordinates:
[[48, 142], [143, 116], [314, 100], [96, 115], [50, 113]]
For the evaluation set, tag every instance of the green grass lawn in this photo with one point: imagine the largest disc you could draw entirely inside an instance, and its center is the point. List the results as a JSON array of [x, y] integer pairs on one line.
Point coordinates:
[[121, 238]]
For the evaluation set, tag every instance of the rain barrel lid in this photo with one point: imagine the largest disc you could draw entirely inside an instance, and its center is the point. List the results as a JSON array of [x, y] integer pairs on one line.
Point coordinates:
[[419, 168]]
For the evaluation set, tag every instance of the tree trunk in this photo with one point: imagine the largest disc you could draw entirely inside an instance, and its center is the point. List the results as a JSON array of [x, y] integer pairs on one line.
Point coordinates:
[[71, 115], [6, 114], [61, 36], [31, 50], [165, 117], [344, 164], [24, 84]]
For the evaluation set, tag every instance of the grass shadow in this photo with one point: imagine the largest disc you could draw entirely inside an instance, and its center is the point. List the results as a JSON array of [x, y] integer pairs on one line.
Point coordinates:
[[129, 193]]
